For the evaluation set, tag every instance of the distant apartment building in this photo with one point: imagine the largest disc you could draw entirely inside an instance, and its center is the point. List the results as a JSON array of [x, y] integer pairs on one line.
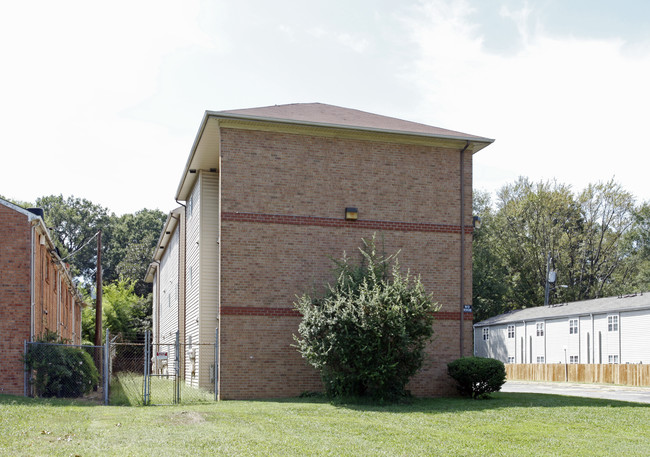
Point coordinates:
[[37, 293], [598, 331]]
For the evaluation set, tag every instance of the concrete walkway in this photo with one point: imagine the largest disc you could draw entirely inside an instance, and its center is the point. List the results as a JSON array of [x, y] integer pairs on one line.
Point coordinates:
[[606, 391]]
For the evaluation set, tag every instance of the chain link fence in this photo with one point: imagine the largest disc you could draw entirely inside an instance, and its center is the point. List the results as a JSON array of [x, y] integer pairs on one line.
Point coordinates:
[[124, 371]]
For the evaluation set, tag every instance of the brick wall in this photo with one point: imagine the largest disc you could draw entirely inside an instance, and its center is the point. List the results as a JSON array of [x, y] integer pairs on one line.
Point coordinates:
[[283, 200], [15, 238], [55, 307]]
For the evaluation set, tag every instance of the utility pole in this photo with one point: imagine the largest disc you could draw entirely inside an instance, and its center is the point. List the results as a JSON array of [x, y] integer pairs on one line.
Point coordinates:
[[98, 302]]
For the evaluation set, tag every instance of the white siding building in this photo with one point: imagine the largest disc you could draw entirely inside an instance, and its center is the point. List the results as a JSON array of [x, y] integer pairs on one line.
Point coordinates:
[[603, 330]]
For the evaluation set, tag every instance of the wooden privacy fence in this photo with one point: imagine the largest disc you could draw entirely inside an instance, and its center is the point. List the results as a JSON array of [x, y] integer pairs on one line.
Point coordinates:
[[627, 375]]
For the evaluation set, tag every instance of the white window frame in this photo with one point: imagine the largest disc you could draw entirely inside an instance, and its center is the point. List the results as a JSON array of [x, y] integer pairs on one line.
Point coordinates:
[[612, 323], [511, 331], [613, 359], [573, 326], [540, 359], [486, 333], [540, 328], [573, 359], [190, 206], [511, 360]]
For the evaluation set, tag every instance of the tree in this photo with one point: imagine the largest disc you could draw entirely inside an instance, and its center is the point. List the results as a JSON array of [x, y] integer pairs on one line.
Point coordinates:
[[75, 222], [489, 278], [123, 312], [585, 237], [367, 335], [133, 240]]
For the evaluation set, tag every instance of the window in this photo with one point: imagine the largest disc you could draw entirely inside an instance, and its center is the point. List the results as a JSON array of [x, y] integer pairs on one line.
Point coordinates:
[[612, 323], [573, 359], [190, 206], [613, 358], [511, 331], [486, 334], [189, 277], [573, 326], [511, 360], [540, 359], [540, 329]]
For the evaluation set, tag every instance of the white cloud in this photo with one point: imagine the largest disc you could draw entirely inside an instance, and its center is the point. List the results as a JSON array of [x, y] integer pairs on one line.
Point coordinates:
[[559, 107]]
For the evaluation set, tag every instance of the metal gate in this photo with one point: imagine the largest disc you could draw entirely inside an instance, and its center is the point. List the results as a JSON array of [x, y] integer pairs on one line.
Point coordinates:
[[149, 373], [180, 372]]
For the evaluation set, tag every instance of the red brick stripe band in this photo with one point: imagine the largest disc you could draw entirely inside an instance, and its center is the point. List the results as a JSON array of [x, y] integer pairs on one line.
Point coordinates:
[[291, 312], [342, 223]]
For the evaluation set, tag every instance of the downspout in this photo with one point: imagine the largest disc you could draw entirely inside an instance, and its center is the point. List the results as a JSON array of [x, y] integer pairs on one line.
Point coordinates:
[[32, 287], [58, 302], [462, 246], [182, 239]]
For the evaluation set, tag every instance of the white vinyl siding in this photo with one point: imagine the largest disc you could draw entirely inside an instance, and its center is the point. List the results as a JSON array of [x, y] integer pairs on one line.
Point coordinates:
[[209, 271], [635, 337], [192, 293], [168, 319]]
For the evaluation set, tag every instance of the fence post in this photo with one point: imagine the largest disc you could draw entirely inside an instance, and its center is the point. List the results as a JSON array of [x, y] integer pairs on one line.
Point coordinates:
[[107, 374], [216, 364], [26, 381], [177, 384], [145, 393]]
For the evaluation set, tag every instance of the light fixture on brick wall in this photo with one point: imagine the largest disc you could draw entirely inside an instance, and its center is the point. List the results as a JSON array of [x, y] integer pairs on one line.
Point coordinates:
[[476, 222], [351, 214]]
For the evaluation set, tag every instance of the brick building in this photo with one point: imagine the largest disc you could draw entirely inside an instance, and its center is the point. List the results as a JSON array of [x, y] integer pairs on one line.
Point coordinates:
[[37, 294], [265, 193]]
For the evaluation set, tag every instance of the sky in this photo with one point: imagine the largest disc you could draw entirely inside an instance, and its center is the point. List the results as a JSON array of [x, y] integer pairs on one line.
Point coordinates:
[[103, 100]]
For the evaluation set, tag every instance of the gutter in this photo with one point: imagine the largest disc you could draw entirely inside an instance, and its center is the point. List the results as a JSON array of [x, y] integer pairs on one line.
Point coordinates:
[[462, 246]]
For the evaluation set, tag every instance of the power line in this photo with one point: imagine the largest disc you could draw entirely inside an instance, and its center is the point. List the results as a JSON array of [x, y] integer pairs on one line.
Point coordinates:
[[80, 248]]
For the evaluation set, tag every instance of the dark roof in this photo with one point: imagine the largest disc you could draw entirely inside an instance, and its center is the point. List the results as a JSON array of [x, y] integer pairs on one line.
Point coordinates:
[[330, 115], [578, 308]]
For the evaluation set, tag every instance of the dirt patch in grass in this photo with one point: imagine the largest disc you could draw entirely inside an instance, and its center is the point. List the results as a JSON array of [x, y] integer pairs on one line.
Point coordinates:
[[187, 418]]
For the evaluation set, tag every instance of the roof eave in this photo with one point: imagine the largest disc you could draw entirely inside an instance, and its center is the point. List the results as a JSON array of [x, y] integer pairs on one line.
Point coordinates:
[[226, 115]]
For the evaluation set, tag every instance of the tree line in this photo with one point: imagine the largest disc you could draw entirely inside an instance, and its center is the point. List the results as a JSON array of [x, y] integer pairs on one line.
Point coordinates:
[[594, 241]]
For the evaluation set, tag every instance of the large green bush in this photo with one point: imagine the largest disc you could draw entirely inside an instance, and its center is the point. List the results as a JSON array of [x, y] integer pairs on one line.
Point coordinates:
[[367, 335], [60, 370], [477, 377]]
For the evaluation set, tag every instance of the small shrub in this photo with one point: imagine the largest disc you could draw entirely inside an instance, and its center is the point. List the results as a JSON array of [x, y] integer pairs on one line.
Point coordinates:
[[60, 370], [477, 376]]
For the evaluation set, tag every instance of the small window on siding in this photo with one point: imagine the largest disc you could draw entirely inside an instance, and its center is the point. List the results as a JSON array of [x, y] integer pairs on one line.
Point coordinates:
[[540, 329], [189, 342], [511, 331], [486, 334], [613, 358], [573, 359], [190, 206], [573, 326], [511, 360], [189, 277], [612, 323], [540, 359]]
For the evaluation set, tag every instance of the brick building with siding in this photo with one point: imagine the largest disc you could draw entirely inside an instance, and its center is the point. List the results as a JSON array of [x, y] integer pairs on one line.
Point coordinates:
[[265, 192], [37, 294]]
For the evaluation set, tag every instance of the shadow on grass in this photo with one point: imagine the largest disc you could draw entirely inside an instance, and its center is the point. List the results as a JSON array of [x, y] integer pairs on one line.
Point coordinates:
[[500, 400], [497, 400]]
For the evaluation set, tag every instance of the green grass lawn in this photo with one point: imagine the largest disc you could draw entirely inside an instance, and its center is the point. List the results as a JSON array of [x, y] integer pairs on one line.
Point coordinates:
[[507, 424]]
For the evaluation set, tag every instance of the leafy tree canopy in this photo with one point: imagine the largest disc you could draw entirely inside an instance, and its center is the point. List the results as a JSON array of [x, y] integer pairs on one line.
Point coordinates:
[[596, 241]]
